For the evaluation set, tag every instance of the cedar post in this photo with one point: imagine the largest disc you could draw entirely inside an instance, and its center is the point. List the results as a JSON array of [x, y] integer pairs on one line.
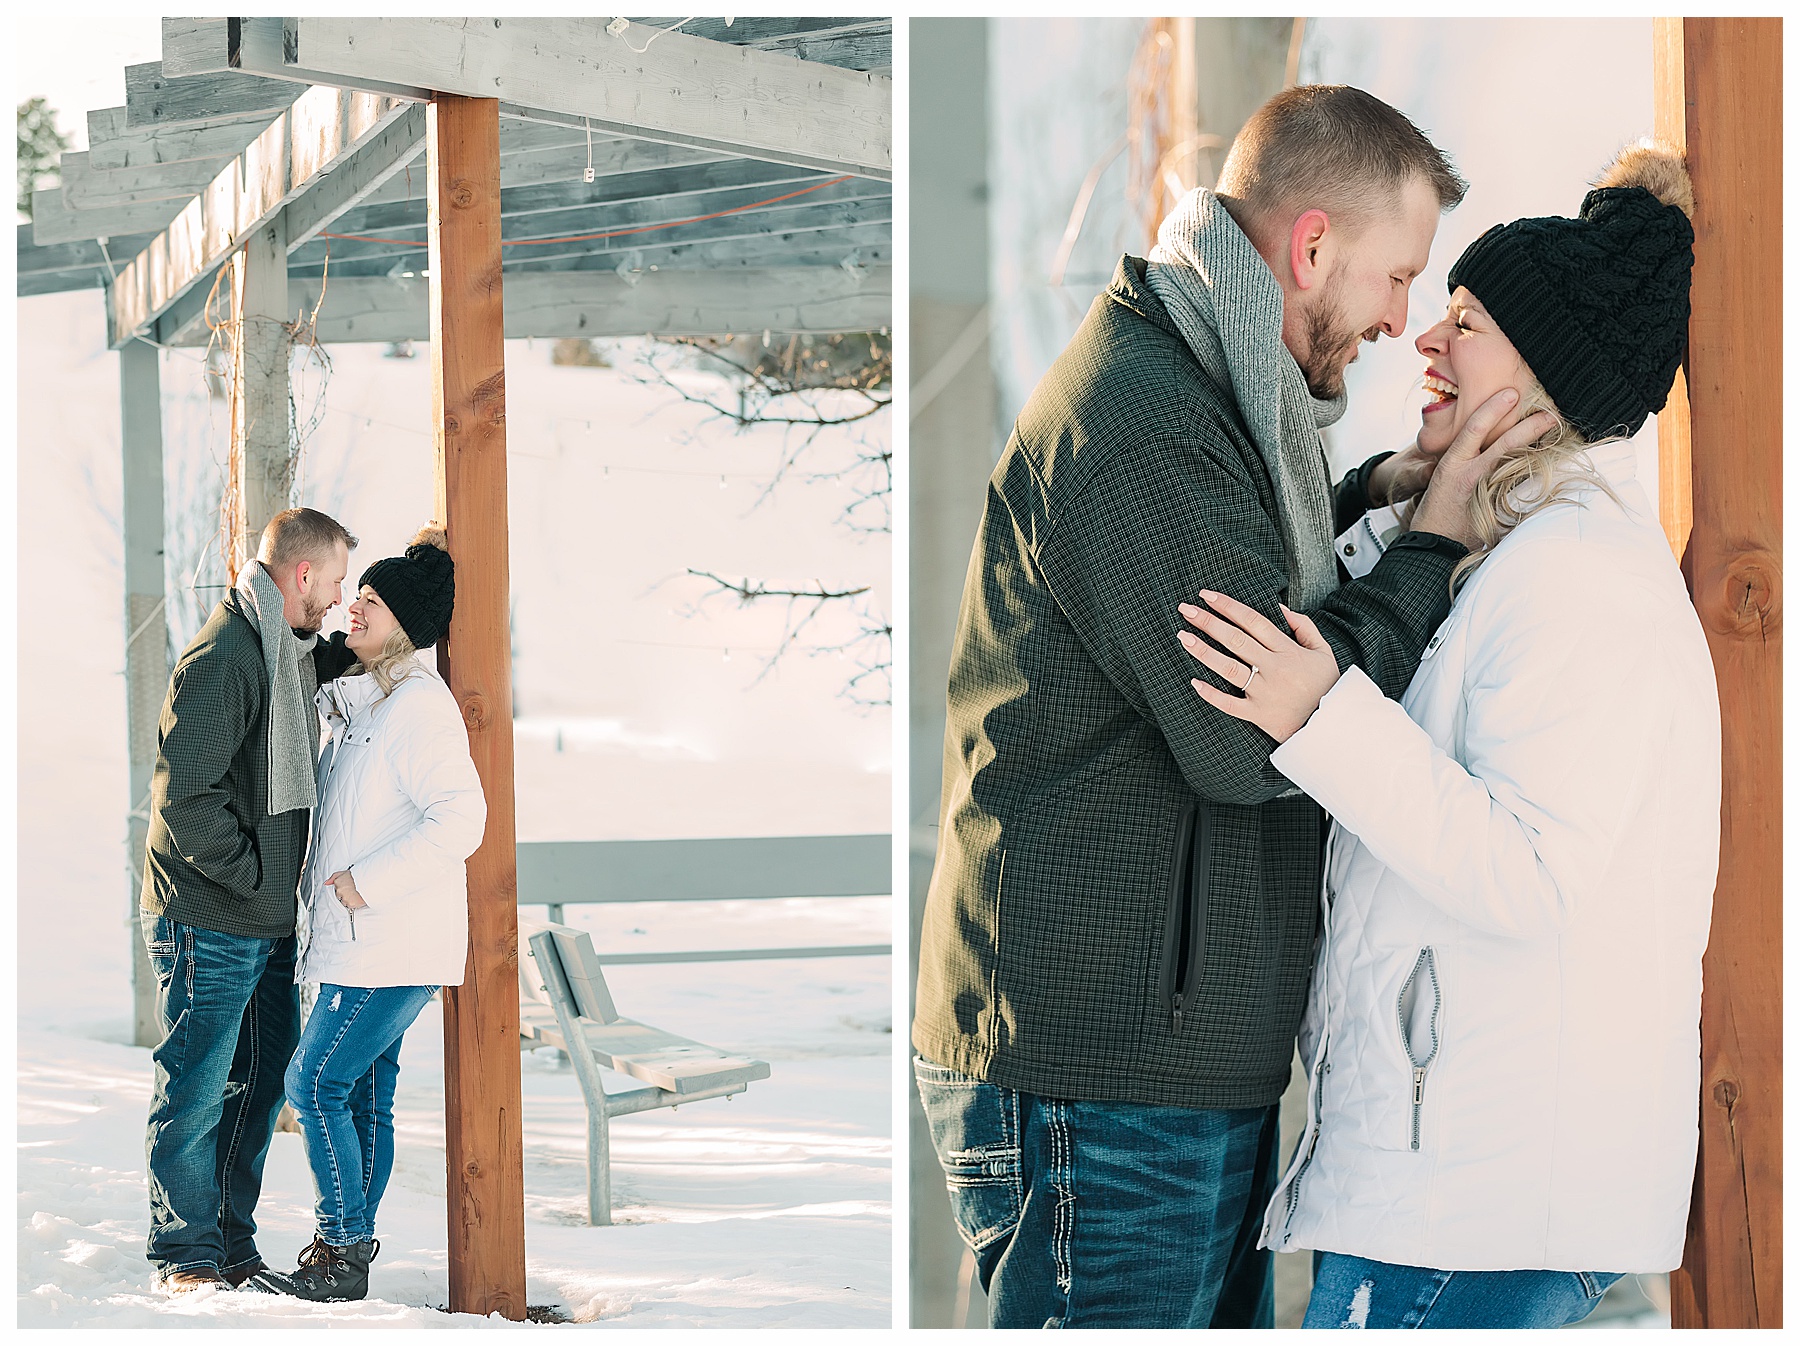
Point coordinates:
[[1718, 95], [261, 459], [485, 1186], [146, 637]]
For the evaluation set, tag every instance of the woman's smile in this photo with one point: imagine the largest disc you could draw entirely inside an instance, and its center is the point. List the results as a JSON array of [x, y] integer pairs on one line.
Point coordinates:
[[1468, 359], [1441, 389]]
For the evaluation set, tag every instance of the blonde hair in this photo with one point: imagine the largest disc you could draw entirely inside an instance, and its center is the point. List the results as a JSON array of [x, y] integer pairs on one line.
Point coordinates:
[[1529, 478], [395, 664]]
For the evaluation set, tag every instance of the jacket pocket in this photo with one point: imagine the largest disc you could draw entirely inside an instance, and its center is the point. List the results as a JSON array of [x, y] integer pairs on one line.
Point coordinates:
[[1184, 929], [1416, 1010]]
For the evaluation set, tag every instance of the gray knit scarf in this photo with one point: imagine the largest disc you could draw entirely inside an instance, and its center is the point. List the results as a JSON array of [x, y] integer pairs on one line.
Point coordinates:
[[293, 723], [1226, 304]]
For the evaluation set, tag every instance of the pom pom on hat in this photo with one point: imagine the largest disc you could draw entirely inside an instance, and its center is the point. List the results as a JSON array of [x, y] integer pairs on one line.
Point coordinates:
[[1656, 167]]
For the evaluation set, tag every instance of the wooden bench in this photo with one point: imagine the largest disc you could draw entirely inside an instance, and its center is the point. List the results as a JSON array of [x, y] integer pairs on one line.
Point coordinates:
[[564, 1003]]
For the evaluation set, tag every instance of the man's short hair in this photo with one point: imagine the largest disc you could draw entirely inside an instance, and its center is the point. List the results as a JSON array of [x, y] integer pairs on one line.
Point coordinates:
[[302, 534], [1330, 147]]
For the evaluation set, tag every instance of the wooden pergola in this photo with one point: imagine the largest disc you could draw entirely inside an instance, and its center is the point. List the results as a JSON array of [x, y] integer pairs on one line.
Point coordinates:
[[458, 181]]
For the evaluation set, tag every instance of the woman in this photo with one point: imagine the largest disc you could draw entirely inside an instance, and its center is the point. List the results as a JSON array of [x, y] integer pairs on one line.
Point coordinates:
[[384, 898], [1503, 1038]]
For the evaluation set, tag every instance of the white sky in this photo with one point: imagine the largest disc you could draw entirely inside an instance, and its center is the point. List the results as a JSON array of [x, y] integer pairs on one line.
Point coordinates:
[[80, 66]]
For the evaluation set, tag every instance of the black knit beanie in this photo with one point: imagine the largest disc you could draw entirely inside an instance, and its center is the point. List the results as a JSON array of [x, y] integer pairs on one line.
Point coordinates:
[[1598, 305], [419, 587]]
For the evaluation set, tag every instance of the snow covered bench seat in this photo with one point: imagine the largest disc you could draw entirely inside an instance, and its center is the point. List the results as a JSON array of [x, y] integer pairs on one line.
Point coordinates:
[[564, 1002]]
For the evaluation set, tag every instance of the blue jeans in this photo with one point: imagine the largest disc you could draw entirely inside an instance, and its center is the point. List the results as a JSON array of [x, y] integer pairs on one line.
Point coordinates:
[[230, 1016], [341, 1087], [1106, 1214], [1355, 1292]]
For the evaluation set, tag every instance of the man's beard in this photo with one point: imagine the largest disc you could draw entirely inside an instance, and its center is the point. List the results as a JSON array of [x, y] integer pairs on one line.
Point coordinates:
[[1328, 343], [314, 616]]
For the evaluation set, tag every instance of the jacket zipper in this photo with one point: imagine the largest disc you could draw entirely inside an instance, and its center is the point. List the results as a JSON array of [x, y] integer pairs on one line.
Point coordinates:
[[1185, 935], [1320, 1067], [1427, 963], [1312, 1139]]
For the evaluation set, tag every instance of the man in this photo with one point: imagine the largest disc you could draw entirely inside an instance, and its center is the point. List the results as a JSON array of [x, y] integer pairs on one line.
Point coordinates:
[[1117, 940], [231, 801]]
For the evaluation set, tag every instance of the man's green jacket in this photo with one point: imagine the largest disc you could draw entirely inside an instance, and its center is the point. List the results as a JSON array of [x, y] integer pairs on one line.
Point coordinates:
[[216, 858], [1127, 893]]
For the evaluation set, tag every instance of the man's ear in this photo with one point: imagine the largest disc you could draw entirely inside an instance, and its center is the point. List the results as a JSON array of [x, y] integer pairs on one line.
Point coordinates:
[[302, 570], [1306, 246]]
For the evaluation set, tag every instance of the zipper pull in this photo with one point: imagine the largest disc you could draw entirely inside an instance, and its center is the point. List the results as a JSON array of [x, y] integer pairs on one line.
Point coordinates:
[[1418, 1085], [353, 936], [1175, 1017]]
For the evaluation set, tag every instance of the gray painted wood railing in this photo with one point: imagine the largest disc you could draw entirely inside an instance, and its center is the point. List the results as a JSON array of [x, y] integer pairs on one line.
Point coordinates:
[[556, 874]]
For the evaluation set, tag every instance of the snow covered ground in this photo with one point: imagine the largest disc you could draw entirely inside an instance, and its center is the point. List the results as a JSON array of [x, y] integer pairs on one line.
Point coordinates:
[[770, 1209]]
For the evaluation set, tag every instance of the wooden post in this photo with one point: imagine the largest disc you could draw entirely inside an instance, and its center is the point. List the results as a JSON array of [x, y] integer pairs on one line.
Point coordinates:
[[261, 462], [1718, 94], [485, 1186], [146, 637]]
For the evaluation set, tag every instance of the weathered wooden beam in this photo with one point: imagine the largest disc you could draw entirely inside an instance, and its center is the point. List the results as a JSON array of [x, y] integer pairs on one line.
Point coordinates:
[[146, 639], [381, 232], [826, 247], [485, 1185], [70, 266], [567, 163], [859, 233], [858, 43], [87, 188], [540, 166], [261, 341], [54, 222], [105, 123], [112, 145], [1718, 95], [357, 176], [321, 130], [155, 101], [195, 46], [642, 82], [184, 322], [677, 192], [262, 45], [551, 304]]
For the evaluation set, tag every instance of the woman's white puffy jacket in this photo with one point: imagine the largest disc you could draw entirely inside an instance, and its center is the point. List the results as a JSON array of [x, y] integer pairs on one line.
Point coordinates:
[[1504, 1026], [401, 808]]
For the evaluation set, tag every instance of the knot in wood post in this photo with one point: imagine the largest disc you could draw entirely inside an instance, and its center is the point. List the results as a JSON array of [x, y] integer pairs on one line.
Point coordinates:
[[475, 711], [1725, 1094], [1742, 595], [490, 394], [461, 194]]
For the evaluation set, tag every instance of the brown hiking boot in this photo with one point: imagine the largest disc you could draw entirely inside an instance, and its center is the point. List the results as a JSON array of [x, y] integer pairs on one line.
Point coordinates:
[[191, 1278], [238, 1275]]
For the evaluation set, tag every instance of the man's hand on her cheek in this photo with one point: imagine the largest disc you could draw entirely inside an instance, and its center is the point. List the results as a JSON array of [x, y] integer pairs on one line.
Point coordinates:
[[1445, 508]]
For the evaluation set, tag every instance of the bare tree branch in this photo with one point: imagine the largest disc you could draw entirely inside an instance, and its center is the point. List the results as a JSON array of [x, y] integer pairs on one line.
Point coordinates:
[[871, 647]]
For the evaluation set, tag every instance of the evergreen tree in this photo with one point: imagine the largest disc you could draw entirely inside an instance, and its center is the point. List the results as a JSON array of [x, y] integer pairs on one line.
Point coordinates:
[[40, 148]]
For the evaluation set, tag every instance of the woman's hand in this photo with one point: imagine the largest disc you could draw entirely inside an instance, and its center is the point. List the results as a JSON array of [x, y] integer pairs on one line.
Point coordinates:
[[1281, 679], [345, 887]]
